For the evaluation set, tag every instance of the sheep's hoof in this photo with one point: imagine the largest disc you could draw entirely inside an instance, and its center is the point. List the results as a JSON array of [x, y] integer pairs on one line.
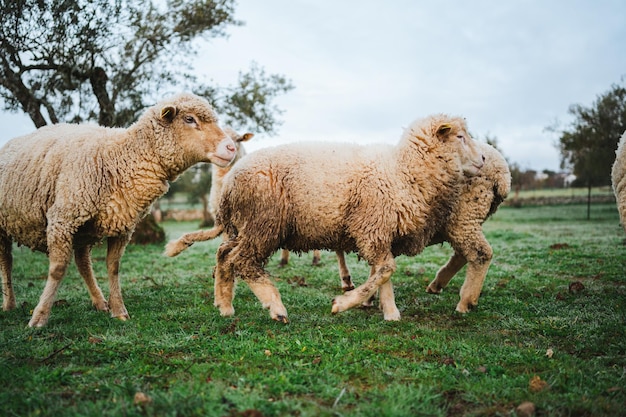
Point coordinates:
[[335, 307], [433, 289], [282, 319], [392, 316], [122, 317], [101, 306], [347, 288], [38, 321], [226, 312], [464, 308]]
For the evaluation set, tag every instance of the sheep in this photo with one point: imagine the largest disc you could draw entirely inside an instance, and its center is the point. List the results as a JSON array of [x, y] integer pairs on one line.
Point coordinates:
[[379, 201], [480, 197], [217, 178], [218, 172], [618, 179], [66, 187]]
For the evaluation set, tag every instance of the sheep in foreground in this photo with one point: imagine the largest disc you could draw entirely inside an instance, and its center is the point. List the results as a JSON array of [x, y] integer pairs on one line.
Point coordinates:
[[480, 197], [378, 201], [217, 178], [65, 187], [618, 178]]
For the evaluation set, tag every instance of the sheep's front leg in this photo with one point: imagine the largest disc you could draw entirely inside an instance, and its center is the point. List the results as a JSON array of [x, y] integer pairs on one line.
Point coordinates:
[[115, 250], [82, 257], [60, 253], [446, 272], [478, 262], [6, 266], [383, 271], [388, 302]]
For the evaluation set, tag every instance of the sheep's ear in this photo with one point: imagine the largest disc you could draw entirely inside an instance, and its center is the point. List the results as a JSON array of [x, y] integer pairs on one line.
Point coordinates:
[[245, 137], [443, 129], [168, 113]]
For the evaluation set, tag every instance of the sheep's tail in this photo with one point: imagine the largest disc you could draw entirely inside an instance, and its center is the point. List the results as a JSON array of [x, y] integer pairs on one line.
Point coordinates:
[[174, 247]]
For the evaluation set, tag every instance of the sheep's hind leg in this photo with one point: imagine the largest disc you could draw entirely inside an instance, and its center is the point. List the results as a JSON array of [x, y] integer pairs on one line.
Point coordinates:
[[381, 273], [262, 286], [115, 250], [82, 256], [6, 266], [446, 272], [224, 285], [284, 258], [344, 272], [259, 281]]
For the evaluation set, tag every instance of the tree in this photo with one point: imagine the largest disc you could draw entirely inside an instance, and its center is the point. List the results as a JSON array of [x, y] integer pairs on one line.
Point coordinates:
[[588, 145], [107, 60]]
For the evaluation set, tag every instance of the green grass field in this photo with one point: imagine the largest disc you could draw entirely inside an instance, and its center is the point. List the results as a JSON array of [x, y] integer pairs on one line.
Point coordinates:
[[550, 328]]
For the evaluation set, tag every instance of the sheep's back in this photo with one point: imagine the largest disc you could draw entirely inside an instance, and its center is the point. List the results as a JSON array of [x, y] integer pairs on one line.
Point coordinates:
[[295, 191], [33, 169]]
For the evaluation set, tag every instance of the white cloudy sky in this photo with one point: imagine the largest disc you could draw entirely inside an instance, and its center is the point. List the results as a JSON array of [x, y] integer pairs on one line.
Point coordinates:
[[364, 69]]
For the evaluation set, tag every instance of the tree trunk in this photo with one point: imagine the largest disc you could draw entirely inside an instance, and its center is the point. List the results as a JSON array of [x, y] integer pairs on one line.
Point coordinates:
[[589, 201]]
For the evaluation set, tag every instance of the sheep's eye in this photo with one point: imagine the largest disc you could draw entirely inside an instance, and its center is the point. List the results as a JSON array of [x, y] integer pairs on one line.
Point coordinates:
[[190, 120], [461, 137]]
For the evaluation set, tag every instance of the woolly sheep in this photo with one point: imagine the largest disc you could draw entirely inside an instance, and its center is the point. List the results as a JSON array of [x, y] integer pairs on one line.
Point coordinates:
[[618, 178], [65, 187], [218, 172], [217, 178], [378, 201], [480, 197]]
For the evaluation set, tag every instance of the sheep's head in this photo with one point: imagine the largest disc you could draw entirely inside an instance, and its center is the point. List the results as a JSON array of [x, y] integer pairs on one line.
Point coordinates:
[[450, 136], [196, 130], [238, 139]]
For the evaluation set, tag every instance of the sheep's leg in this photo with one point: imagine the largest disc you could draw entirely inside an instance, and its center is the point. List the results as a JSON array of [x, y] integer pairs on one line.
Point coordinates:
[[60, 253], [82, 256], [317, 257], [388, 302], [224, 285], [6, 266], [446, 272], [383, 271], [262, 286], [284, 257], [344, 272], [370, 301], [115, 250], [478, 262]]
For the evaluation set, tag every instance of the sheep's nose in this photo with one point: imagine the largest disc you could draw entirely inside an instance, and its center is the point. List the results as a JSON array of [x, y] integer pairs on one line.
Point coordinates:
[[232, 148]]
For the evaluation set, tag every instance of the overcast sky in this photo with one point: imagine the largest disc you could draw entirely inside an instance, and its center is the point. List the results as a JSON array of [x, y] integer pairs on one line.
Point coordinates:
[[364, 69]]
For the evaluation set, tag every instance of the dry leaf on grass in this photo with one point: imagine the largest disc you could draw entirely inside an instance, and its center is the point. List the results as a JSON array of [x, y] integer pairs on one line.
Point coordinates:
[[537, 384]]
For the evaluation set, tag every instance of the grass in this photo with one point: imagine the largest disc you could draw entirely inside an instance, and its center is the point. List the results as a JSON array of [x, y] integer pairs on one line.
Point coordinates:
[[550, 328]]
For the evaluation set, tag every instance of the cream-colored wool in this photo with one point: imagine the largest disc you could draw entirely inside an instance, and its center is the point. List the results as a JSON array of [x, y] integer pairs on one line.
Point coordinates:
[[480, 197], [218, 172], [618, 178], [65, 187], [378, 201]]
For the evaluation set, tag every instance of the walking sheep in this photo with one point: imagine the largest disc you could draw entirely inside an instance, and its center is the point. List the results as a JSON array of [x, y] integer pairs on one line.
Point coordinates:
[[480, 197], [65, 187], [618, 178], [379, 201]]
